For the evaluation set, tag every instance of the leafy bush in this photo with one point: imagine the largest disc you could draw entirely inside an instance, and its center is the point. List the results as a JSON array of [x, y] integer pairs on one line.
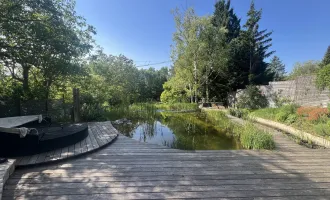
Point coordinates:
[[253, 138], [92, 112], [240, 113], [284, 112], [252, 98], [279, 100], [323, 77], [291, 118], [177, 106], [249, 135], [281, 116], [317, 113], [322, 129], [313, 113]]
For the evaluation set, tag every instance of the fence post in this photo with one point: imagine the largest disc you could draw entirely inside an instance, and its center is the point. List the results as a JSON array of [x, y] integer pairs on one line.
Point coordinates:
[[76, 105]]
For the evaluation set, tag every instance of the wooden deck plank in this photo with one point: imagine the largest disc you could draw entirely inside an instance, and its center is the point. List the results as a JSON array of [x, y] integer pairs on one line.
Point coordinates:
[[129, 169], [77, 148], [100, 135], [33, 159], [93, 139], [57, 154], [97, 136], [89, 143], [84, 146], [49, 156]]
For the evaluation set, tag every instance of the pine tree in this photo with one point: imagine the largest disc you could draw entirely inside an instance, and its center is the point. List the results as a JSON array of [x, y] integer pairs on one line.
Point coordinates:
[[277, 68], [230, 79], [257, 43], [225, 17], [326, 58]]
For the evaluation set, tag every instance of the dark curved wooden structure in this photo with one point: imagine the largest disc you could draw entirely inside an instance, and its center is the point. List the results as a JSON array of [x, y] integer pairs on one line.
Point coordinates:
[[49, 137]]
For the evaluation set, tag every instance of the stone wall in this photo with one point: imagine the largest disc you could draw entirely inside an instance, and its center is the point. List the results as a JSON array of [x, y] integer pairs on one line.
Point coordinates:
[[301, 91]]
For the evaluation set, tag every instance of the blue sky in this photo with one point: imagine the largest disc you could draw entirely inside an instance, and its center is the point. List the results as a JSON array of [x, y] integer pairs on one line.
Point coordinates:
[[142, 29]]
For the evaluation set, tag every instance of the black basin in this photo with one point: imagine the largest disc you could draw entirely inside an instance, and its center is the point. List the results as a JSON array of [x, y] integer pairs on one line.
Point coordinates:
[[50, 137]]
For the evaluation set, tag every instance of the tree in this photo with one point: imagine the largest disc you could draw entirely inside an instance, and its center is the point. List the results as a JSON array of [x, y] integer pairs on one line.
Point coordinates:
[[306, 68], [326, 58], [323, 78], [225, 17], [187, 49], [42, 34], [199, 52], [256, 43], [277, 68]]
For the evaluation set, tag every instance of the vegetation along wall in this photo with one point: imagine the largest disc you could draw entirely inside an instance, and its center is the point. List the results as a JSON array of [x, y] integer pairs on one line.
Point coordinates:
[[302, 91]]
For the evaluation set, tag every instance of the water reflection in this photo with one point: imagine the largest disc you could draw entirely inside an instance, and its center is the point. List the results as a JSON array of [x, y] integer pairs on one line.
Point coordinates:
[[189, 131]]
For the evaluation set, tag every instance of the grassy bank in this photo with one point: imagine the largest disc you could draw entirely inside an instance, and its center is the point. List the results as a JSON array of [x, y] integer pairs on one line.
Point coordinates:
[[177, 106], [249, 136], [314, 120]]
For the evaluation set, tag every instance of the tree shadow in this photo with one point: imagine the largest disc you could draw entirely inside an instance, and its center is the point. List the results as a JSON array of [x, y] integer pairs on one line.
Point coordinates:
[[128, 169]]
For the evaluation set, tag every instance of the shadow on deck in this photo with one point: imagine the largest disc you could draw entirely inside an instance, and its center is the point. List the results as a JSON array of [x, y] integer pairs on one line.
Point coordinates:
[[128, 169]]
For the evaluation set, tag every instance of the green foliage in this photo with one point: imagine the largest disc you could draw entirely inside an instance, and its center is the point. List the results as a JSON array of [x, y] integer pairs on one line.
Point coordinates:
[[281, 116], [326, 58], [199, 53], [322, 129], [43, 35], [177, 106], [280, 101], [92, 112], [174, 91], [291, 118], [287, 113], [252, 98], [240, 113], [249, 136], [306, 68], [277, 68], [136, 111], [323, 77], [253, 138], [256, 44]]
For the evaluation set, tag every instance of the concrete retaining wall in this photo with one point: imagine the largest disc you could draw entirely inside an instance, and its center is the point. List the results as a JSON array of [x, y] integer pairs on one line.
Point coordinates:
[[302, 91]]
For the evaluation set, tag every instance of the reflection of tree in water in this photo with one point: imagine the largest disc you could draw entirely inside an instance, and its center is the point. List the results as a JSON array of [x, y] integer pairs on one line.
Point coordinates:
[[148, 130], [192, 131]]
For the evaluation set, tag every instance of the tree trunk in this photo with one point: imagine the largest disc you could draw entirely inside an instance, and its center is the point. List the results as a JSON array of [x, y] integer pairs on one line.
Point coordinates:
[[191, 94], [26, 78], [207, 90], [195, 79]]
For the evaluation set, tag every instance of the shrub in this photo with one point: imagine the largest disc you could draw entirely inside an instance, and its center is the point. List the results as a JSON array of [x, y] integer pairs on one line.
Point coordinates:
[[322, 129], [317, 113], [240, 113], [323, 77], [304, 111], [285, 111], [291, 118], [281, 116], [252, 98], [313, 113], [177, 106], [253, 138], [92, 112]]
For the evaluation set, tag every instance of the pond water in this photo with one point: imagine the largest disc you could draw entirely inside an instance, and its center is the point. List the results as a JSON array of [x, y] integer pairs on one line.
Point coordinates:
[[188, 131]]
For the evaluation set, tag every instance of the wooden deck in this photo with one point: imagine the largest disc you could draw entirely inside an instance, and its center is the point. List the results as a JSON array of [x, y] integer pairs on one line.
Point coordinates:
[[6, 169], [128, 169], [99, 135]]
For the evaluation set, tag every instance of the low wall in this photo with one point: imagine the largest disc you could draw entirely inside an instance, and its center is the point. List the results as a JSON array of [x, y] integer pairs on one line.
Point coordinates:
[[288, 129], [301, 91]]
